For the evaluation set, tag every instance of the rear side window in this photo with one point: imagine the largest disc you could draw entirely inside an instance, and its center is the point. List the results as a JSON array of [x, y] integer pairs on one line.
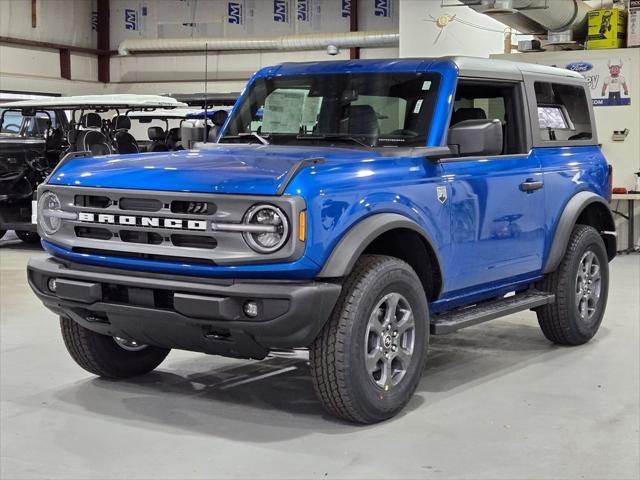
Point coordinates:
[[563, 112]]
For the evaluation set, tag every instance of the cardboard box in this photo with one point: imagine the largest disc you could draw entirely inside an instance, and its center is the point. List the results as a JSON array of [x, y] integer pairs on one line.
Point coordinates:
[[607, 28], [633, 25]]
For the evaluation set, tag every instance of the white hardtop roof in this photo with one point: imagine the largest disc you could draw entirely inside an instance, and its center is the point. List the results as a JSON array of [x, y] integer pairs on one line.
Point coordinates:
[[162, 113], [99, 101], [174, 113], [502, 68]]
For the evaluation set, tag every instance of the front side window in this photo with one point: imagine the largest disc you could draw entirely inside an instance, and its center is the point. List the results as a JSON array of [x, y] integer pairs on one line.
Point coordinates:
[[483, 100], [563, 112], [362, 109]]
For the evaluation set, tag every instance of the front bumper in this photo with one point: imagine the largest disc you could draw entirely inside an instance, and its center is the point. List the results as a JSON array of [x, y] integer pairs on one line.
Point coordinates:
[[199, 314], [16, 215]]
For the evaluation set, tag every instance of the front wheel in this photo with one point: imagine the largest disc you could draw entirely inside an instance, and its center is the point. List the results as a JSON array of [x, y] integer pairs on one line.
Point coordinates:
[[28, 237], [581, 286], [368, 359], [109, 357]]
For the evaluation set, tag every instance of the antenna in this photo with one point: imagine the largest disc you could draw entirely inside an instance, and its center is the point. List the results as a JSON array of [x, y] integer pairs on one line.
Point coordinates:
[[206, 78]]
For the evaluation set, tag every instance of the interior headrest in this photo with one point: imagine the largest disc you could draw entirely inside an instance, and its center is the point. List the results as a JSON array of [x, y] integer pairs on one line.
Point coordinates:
[[43, 123], [219, 117], [363, 120], [121, 122], [155, 133], [175, 133], [72, 136], [462, 114], [91, 120]]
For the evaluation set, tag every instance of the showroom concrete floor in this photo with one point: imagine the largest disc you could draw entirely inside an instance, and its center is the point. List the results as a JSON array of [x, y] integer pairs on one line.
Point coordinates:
[[496, 401]]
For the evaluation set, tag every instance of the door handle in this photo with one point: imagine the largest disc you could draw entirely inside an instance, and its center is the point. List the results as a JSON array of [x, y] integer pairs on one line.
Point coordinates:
[[531, 186]]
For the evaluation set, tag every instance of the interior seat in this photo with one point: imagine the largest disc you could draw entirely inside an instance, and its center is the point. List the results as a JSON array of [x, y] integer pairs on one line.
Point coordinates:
[[157, 137], [218, 119], [363, 121], [91, 139], [174, 137], [122, 139], [462, 114]]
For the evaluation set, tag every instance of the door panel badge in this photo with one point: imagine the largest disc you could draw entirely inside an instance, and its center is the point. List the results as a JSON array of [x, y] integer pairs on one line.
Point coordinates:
[[441, 193]]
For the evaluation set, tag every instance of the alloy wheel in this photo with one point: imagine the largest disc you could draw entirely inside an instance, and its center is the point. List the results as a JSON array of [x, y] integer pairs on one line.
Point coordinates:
[[588, 286], [390, 340]]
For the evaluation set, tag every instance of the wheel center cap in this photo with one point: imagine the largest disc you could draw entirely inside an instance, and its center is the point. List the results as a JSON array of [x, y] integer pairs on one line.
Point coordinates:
[[386, 341]]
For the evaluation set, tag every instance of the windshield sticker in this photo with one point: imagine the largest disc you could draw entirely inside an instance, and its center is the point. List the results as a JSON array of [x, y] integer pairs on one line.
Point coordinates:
[[426, 85], [418, 106]]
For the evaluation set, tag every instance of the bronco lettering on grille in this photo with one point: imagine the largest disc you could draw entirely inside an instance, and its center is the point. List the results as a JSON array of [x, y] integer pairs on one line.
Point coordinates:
[[139, 221]]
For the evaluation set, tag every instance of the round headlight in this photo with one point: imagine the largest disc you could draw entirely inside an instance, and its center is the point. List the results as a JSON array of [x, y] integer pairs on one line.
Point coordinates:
[[267, 228], [48, 204]]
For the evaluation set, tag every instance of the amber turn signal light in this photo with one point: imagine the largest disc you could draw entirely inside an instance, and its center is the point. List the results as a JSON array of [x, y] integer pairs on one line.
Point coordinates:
[[302, 226]]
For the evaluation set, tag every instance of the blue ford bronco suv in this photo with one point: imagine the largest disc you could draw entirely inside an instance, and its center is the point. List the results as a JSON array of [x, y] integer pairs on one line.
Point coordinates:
[[352, 208]]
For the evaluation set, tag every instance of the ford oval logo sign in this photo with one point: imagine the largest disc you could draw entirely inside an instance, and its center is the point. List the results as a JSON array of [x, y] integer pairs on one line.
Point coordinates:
[[579, 67]]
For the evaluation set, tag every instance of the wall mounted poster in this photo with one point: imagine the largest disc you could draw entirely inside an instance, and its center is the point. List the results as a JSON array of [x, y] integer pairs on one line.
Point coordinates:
[[608, 81]]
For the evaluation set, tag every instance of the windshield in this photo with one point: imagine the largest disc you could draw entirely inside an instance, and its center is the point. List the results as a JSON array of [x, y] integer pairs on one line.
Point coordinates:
[[365, 109], [11, 121]]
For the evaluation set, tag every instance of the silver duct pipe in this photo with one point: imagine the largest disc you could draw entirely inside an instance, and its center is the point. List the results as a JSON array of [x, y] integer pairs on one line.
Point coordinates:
[[315, 41], [536, 17]]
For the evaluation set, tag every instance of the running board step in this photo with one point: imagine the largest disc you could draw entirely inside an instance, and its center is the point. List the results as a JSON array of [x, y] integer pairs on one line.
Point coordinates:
[[483, 312]]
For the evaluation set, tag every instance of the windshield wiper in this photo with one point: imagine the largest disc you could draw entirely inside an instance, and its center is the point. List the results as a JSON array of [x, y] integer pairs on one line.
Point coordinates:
[[262, 139], [334, 136]]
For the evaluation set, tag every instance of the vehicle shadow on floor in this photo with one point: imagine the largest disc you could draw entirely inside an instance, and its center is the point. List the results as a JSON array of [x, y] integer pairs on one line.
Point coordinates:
[[273, 399], [11, 242]]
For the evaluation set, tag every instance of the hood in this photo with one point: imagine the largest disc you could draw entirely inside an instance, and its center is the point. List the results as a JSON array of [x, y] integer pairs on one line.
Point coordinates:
[[7, 138], [12, 144], [236, 169]]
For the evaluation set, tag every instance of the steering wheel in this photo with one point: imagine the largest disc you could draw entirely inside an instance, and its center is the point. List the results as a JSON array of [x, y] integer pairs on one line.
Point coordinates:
[[9, 127]]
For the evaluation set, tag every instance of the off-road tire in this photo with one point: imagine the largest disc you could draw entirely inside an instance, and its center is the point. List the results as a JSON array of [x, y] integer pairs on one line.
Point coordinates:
[[28, 237], [337, 356], [102, 356], [560, 321]]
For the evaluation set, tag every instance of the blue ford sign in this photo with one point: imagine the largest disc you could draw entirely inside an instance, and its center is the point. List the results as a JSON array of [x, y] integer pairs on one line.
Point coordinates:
[[579, 67]]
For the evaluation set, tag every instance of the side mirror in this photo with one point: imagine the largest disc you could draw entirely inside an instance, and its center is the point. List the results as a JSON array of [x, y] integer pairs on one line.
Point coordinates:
[[476, 137]]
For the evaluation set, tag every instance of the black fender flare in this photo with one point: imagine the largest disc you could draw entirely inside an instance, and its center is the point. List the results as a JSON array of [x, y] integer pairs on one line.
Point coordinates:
[[359, 236], [568, 219]]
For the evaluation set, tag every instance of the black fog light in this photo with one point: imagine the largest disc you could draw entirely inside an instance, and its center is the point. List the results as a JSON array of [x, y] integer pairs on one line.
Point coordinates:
[[250, 309]]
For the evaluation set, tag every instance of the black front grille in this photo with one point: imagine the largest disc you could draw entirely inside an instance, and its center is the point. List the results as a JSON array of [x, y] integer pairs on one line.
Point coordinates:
[[193, 208], [93, 232], [193, 241], [92, 201], [137, 236], [140, 204]]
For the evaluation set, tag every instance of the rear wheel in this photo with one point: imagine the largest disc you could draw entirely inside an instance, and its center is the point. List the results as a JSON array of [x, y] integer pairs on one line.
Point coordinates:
[[28, 237], [581, 285], [110, 357], [368, 359]]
